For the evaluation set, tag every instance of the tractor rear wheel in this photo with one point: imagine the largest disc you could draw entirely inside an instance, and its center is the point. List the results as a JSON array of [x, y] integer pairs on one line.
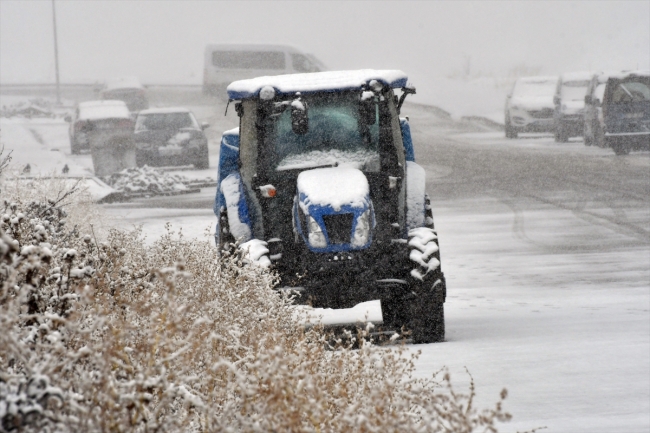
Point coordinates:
[[420, 308]]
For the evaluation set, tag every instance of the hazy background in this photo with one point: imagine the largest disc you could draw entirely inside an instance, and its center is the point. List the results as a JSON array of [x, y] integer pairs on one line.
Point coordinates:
[[162, 42]]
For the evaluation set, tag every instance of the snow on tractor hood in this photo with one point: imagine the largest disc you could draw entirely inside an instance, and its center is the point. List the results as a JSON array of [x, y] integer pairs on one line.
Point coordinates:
[[333, 212], [334, 187], [329, 81]]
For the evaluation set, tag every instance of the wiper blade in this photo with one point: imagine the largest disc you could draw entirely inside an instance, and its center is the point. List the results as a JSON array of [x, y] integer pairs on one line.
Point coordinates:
[[627, 91], [307, 167]]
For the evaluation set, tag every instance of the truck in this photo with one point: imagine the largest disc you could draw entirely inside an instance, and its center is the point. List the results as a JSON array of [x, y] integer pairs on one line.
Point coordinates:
[[319, 183]]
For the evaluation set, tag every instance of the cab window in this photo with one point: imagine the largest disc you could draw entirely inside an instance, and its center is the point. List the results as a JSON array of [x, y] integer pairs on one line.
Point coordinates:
[[631, 90]]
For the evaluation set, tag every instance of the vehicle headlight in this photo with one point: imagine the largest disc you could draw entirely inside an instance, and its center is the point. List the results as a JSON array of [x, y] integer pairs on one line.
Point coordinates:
[[316, 235], [362, 230]]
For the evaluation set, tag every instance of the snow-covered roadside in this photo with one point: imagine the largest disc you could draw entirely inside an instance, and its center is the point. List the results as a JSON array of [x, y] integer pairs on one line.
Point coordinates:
[[43, 144], [198, 223]]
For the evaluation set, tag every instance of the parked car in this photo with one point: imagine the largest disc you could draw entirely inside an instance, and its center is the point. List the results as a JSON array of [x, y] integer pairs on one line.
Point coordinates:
[[127, 89], [320, 183], [225, 63], [569, 103], [170, 136], [94, 116], [529, 106], [617, 111]]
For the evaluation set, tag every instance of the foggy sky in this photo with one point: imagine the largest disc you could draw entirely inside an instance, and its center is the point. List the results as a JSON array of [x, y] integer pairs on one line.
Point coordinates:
[[163, 41]]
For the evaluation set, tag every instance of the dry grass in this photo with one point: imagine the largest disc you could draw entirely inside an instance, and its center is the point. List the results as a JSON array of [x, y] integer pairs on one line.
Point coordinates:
[[116, 335]]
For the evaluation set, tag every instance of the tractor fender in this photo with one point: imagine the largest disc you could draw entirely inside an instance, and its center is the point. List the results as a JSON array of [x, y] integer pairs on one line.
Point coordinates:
[[234, 196], [228, 163]]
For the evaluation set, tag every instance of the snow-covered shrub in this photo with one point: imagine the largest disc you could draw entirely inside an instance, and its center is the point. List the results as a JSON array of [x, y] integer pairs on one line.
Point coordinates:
[[116, 335], [147, 179]]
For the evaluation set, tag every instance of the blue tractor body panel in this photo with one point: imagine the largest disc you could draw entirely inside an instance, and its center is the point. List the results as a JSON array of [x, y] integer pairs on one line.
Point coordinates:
[[228, 163], [409, 153], [229, 169]]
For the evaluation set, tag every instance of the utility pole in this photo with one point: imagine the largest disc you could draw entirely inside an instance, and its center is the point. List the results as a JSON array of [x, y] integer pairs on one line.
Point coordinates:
[[56, 57]]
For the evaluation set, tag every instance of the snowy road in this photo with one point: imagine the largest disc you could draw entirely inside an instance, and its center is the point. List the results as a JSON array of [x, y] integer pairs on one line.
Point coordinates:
[[546, 249]]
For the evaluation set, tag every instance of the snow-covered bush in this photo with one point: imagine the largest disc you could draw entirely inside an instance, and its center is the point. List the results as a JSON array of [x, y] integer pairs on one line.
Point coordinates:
[[147, 179], [115, 335]]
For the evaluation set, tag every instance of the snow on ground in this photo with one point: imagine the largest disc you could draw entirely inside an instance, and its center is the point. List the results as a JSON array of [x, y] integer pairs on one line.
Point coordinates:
[[194, 223], [43, 144], [547, 144], [565, 331]]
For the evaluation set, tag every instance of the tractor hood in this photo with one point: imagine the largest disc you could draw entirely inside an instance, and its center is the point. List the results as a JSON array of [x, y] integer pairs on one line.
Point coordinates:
[[333, 187], [333, 211]]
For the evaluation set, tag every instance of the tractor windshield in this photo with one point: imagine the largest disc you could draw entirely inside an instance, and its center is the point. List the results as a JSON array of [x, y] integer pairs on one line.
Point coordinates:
[[337, 134]]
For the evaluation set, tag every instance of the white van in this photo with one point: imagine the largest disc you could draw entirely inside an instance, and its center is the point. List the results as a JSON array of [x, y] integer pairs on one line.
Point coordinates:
[[225, 63]]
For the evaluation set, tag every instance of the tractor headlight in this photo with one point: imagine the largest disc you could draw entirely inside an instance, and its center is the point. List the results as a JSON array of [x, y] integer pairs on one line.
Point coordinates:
[[316, 235], [362, 230]]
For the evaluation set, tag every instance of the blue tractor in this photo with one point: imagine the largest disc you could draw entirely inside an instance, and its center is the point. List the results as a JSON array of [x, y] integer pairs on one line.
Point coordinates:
[[320, 184]]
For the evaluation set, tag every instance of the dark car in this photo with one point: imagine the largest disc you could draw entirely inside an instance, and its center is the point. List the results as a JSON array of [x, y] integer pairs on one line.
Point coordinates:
[[127, 89], [618, 111], [569, 105], [170, 136], [95, 117]]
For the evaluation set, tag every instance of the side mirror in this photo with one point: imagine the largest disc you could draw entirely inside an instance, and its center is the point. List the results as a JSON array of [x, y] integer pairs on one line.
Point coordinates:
[[205, 125], [556, 100], [299, 117], [588, 99], [68, 118]]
